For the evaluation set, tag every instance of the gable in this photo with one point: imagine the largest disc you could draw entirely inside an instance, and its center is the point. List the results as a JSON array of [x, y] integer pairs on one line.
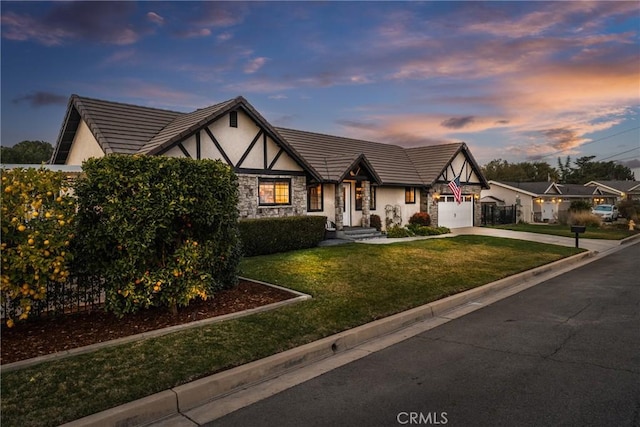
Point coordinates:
[[83, 146], [460, 166], [246, 146]]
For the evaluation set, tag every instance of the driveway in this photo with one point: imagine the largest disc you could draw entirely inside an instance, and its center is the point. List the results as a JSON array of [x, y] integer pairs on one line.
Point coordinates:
[[597, 245]]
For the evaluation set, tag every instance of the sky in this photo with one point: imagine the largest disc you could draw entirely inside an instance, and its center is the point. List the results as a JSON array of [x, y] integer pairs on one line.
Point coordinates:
[[518, 81]]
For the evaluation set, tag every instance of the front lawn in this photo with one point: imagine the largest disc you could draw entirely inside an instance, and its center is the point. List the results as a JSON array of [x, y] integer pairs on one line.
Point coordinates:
[[608, 232], [351, 285]]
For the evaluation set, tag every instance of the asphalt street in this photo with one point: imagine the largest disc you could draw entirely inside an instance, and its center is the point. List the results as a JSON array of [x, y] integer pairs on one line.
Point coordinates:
[[563, 353]]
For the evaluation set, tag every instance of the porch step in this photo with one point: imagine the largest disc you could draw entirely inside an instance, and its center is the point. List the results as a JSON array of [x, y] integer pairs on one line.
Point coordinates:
[[361, 233]]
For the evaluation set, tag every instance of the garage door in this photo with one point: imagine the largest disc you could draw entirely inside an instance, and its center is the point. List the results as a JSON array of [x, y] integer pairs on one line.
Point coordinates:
[[454, 215]]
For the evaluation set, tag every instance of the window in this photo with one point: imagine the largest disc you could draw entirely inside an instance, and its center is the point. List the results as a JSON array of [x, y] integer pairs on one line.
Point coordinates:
[[274, 191], [409, 195], [314, 199], [233, 119], [359, 193]]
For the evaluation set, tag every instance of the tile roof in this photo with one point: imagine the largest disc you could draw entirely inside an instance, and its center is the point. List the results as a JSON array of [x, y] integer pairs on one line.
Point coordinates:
[[130, 129], [543, 187], [184, 124], [118, 127], [624, 186], [431, 160], [530, 187], [329, 155]]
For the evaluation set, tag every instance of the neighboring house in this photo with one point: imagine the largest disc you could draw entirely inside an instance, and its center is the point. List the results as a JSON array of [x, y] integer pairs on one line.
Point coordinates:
[[541, 201], [284, 172], [622, 190]]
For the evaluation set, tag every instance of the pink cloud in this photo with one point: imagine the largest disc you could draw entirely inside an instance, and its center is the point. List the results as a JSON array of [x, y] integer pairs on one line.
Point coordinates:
[[255, 64]]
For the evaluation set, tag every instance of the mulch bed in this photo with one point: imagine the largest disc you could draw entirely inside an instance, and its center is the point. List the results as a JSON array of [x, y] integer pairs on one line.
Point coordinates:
[[49, 335]]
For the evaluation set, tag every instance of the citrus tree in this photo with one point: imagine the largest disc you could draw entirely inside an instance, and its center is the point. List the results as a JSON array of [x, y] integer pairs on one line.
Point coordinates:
[[37, 217], [157, 231]]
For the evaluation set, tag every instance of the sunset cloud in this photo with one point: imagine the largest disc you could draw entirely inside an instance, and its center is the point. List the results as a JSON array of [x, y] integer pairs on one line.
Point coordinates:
[[526, 79]]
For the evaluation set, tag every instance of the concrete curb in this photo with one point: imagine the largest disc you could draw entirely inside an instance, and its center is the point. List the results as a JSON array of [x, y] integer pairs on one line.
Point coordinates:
[[189, 396], [158, 332]]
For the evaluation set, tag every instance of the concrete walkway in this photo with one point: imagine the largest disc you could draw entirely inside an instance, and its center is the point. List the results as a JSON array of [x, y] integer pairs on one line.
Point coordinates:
[[596, 245]]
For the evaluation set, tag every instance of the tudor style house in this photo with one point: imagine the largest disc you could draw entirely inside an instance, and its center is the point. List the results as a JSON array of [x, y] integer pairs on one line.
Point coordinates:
[[284, 172]]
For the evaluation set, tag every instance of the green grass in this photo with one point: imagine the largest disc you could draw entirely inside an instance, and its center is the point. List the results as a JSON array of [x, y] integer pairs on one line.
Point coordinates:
[[351, 285], [608, 232]]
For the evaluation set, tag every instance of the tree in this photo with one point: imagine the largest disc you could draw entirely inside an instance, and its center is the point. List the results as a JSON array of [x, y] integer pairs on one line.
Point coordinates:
[[502, 170], [27, 152], [586, 170]]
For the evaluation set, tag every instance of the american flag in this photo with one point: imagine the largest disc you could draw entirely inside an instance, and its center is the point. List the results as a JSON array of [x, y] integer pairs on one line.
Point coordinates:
[[455, 188]]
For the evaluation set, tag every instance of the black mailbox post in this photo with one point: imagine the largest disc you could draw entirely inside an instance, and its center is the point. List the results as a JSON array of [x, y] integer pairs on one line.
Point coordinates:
[[578, 229]]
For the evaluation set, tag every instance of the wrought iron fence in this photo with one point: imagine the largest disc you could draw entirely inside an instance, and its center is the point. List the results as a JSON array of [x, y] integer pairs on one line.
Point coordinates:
[[75, 295], [495, 215]]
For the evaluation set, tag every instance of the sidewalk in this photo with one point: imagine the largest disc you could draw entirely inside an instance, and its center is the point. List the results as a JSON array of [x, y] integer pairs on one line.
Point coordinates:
[[209, 398]]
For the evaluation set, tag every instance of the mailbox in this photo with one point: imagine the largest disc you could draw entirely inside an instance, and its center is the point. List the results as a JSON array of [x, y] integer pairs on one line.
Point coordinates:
[[578, 229]]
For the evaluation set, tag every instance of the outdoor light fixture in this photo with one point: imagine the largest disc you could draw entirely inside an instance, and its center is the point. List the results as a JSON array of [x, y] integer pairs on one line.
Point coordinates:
[[436, 196]]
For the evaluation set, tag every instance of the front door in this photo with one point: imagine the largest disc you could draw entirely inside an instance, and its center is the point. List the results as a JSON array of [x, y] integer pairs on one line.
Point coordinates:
[[548, 211], [346, 196]]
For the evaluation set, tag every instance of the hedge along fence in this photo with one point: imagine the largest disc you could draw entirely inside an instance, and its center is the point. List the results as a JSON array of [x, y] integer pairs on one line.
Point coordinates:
[[37, 228], [271, 235], [158, 231]]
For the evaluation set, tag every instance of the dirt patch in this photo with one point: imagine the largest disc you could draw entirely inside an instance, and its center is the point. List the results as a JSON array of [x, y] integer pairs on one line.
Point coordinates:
[[50, 335]]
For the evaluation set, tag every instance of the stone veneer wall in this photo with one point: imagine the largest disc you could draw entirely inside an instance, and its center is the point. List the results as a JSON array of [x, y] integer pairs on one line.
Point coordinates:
[[248, 197], [428, 204]]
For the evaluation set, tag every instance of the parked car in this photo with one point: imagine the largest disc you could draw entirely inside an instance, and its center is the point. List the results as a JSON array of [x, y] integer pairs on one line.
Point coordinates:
[[606, 212]]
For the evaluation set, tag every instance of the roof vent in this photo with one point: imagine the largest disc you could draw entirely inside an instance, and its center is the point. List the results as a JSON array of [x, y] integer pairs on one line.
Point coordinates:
[[233, 119]]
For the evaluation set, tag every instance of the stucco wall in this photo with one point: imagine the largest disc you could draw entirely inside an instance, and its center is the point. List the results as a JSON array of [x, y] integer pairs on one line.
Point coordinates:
[[84, 146]]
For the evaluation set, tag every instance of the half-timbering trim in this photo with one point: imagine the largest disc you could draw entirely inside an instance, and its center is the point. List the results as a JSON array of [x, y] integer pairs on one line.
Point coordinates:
[[249, 171], [275, 159], [184, 150], [218, 146], [264, 149], [248, 150], [198, 146]]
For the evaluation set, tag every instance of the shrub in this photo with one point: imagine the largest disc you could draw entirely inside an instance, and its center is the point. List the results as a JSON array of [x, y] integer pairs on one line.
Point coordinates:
[[629, 209], [396, 231], [584, 218], [263, 236], [376, 222], [420, 218], [37, 217], [421, 230], [159, 231], [580, 206]]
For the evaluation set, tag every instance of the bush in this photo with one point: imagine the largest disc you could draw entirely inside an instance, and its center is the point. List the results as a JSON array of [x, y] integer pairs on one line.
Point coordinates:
[[37, 217], [158, 231], [396, 231], [420, 218], [584, 218], [580, 206], [376, 222], [629, 209], [421, 230], [272, 235]]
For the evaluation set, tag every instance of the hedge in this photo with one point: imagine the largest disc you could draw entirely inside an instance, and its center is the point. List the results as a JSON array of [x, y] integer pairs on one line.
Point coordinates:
[[158, 231], [272, 235]]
